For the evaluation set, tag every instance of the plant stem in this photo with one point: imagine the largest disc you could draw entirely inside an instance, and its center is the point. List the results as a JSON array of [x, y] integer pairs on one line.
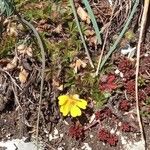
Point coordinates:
[[143, 22]]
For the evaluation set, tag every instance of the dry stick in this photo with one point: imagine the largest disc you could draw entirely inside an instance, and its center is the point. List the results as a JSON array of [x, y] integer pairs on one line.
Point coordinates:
[[102, 52], [13, 88], [13, 80], [143, 22]]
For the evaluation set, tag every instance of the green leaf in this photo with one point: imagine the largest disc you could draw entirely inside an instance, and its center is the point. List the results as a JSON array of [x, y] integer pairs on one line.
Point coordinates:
[[6, 7]]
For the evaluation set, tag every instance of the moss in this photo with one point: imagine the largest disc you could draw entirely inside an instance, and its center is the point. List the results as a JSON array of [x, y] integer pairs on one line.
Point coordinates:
[[148, 101], [6, 46], [145, 114], [39, 12], [98, 97]]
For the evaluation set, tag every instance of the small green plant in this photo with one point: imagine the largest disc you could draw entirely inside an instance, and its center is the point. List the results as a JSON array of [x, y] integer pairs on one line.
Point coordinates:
[[99, 97], [148, 101], [141, 81], [145, 114], [69, 78]]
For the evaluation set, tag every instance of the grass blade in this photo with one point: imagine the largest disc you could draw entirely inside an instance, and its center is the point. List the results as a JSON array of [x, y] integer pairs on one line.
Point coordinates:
[[80, 31], [92, 17], [112, 49]]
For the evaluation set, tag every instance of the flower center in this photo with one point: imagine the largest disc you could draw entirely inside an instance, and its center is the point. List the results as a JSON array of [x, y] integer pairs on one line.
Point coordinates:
[[72, 101]]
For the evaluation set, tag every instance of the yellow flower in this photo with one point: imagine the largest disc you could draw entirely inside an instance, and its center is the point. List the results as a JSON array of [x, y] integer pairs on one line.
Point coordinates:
[[71, 105]]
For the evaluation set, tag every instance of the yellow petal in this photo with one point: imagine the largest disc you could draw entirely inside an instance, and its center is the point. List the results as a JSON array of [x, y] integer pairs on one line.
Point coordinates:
[[64, 110], [82, 103], [75, 111], [62, 99]]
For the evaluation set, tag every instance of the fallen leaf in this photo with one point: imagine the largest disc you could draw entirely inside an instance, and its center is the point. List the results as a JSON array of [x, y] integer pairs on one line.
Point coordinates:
[[89, 32], [11, 65], [92, 118], [12, 29], [29, 51], [83, 15], [78, 64], [58, 29], [23, 76], [93, 40], [23, 49], [60, 88]]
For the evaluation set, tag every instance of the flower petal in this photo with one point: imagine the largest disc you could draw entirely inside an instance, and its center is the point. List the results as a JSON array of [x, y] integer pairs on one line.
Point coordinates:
[[64, 110], [82, 103], [75, 111], [63, 99]]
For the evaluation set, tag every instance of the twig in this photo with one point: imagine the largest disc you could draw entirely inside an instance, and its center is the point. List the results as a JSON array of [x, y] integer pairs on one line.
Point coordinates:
[[14, 88], [16, 95], [13, 80], [143, 22], [80, 31], [136, 3], [102, 51]]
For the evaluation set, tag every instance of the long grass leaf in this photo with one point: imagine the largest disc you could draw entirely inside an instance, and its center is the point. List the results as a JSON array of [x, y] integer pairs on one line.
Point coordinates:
[[80, 31], [93, 19], [112, 49]]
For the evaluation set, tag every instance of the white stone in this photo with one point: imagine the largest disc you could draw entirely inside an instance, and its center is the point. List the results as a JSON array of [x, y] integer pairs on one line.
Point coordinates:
[[117, 71], [132, 145], [92, 118], [121, 74], [59, 148], [20, 144], [86, 147]]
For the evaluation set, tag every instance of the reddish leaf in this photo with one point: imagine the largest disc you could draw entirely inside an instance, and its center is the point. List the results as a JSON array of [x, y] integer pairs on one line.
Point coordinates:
[[107, 83]]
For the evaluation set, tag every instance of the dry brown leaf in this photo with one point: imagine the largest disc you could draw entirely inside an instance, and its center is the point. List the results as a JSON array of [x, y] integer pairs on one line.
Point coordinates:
[[93, 40], [22, 49], [78, 64], [89, 32], [11, 65], [83, 15], [29, 51], [58, 29], [23, 76], [20, 27], [55, 83], [12, 29], [60, 88]]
